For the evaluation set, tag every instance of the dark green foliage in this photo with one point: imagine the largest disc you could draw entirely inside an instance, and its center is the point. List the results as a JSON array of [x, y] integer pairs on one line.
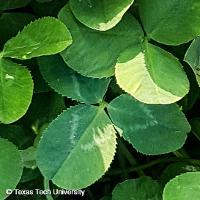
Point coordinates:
[[100, 98]]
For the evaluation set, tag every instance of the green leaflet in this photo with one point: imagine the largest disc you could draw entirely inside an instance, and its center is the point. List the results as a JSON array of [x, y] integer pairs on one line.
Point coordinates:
[[12, 4], [79, 146], [38, 38], [94, 53], [171, 22], [174, 169], [150, 74], [16, 89], [71, 84], [192, 57], [12, 23], [10, 174], [183, 187], [100, 15], [151, 129], [142, 188]]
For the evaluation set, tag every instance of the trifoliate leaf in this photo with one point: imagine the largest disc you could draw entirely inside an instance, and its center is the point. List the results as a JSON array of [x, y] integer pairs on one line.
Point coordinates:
[[171, 22], [100, 15], [79, 146], [71, 84], [142, 188], [10, 167], [94, 53], [151, 129], [183, 187], [44, 36], [192, 57], [12, 4], [16, 89], [150, 74]]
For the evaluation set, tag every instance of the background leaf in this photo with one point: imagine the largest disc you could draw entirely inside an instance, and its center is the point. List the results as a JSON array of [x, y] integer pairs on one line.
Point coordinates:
[[94, 53], [12, 4], [10, 174], [67, 82], [80, 145], [15, 83], [174, 169], [149, 75], [100, 15], [192, 57], [148, 127], [138, 189], [38, 38], [171, 22], [183, 187]]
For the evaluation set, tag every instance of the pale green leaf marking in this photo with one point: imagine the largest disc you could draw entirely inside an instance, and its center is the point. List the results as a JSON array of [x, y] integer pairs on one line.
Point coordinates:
[[143, 188], [10, 167], [16, 89], [171, 22], [192, 57], [183, 187], [100, 15], [94, 53], [150, 75], [44, 36], [67, 82], [151, 129], [77, 148]]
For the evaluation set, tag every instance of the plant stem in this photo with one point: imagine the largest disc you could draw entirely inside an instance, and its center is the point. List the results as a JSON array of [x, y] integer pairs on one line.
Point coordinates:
[[129, 156], [90, 194], [47, 187], [154, 162]]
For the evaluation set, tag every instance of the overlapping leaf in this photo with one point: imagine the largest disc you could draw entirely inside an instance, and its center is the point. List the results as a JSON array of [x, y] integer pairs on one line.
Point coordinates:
[[149, 75], [151, 129], [137, 189], [10, 174], [177, 168], [16, 89], [94, 53], [77, 148], [192, 57], [100, 15], [71, 84], [38, 38], [183, 187], [171, 22]]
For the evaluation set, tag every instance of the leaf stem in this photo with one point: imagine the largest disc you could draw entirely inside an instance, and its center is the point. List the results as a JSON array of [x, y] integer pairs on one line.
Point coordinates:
[[129, 156], [47, 187], [154, 162]]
